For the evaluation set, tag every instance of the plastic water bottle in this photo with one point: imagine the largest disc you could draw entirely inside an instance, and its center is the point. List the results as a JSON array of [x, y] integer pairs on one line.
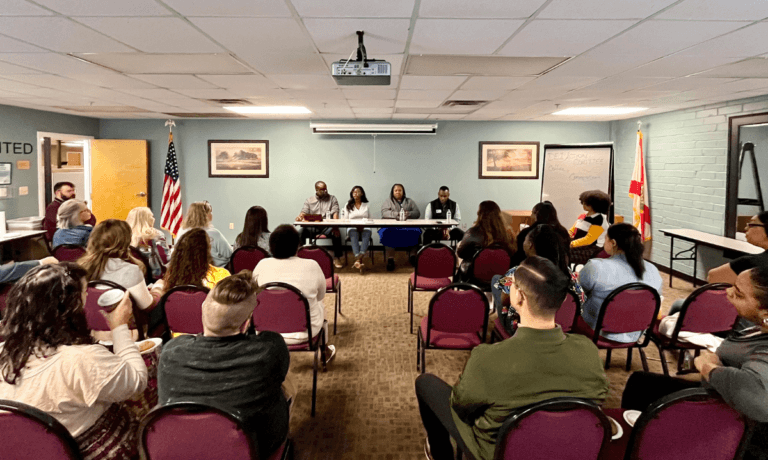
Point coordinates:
[[402, 214], [448, 215], [344, 214]]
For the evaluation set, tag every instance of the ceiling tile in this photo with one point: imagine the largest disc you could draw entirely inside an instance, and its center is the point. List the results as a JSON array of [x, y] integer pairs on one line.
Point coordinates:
[[360, 93], [59, 34], [371, 110], [479, 95], [500, 83], [717, 10], [431, 83], [152, 64], [315, 94], [447, 116], [254, 35], [260, 94], [561, 37], [409, 116], [111, 79], [22, 8], [106, 7], [508, 106], [461, 36], [240, 81], [162, 95], [551, 81], [602, 9], [680, 65], [424, 95], [382, 36], [596, 64], [624, 83], [748, 68], [52, 62], [395, 60], [339, 104], [9, 45], [478, 9], [304, 81], [372, 116], [280, 63], [207, 93], [11, 69], [372, 103], [354, 9], [234, 8], [175, 81], [747, 42], [418, 103], [154, 35], [688, 83]]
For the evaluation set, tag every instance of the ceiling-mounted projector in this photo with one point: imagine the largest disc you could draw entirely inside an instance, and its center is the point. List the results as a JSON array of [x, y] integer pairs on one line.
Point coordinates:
[[362, 71]]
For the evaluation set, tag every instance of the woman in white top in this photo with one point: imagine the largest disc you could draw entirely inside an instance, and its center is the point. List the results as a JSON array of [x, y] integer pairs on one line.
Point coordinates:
[[200, 215], [144, 237], [357, 208], [50, 361]]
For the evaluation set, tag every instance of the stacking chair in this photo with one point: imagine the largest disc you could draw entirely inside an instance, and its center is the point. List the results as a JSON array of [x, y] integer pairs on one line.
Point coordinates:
[[68, 252], [348, 240], [558, 428], [96, 321], [148, 278], [496, 259], [434, 269], [31, 434], [457, 320], [566, 317], [629, 308], [706, 310], [283, 309], [161, 253], [332, 281], [246, 258], [187, 430], [182, 310]]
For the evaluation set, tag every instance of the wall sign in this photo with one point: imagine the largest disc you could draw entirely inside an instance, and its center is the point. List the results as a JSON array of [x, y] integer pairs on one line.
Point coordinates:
[[22, 164], [16, 148]]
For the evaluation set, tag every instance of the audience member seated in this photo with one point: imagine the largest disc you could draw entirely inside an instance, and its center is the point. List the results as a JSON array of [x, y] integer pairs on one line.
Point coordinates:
[[488, 229], [360, 237], [392, 237], [50, 361], [144, 237], [73, 229], [255, 229], [543, 213], [588, 232], [62, 192], [322, 203], [191, 263], [543, 241], [303, 274], [12, 271], [756, 234], [438, 210], [539, 362], [600, 277], [200, 215], [229, 369]]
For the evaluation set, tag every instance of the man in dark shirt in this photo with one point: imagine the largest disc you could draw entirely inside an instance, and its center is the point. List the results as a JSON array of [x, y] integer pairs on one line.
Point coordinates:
[[229, 369], [62, 191], [438, 210]]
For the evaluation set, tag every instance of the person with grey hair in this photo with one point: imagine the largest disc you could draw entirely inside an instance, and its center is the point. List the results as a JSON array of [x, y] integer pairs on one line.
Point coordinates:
[[226, 367], [71, 221]]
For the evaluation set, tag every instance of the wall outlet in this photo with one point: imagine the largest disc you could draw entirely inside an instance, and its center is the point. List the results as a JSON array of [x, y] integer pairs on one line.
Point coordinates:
[[231, 226], [23, 191]]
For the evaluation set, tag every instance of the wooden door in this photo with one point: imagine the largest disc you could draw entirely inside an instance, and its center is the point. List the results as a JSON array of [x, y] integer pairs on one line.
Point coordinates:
[[119, 177]]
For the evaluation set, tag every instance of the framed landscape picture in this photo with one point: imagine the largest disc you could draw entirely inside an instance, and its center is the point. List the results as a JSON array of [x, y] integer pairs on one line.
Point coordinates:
[[509, 160], [238, 159]]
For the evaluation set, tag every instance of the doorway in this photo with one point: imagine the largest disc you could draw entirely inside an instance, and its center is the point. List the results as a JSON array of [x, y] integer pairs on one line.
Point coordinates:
[[62, 158]]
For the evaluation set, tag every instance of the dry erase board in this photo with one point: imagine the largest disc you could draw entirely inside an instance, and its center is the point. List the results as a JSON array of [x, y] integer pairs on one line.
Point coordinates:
[[569, 170]]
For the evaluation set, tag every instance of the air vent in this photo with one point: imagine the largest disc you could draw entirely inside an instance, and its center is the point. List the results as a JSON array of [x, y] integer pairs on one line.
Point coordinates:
[[230, 101], [205, 115], [463, 103]]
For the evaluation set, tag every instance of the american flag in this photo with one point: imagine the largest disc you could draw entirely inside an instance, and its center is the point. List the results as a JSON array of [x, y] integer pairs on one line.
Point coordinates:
[[171, 208]]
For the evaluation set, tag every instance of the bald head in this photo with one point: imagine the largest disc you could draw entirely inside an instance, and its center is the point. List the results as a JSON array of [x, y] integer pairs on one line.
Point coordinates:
[[229, 305]]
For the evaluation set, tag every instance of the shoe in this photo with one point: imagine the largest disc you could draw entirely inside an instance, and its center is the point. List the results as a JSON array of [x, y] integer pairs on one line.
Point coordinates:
[[427, 449], [330, 353], [390, 265], [337, 263], [357, 264], [412, 260], [362, 267]]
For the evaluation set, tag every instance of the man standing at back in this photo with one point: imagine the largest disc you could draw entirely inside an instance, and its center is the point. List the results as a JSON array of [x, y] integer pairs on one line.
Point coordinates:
[[322, 203], [62, 192], [539, 362], [438, 210], [226, 368]]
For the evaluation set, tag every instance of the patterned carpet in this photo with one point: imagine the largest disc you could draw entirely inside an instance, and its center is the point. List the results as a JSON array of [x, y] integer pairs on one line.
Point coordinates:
[[366, 406]]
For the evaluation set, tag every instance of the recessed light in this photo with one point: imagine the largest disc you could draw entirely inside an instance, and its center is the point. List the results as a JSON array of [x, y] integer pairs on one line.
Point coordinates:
[[282, 109], [600, 110]]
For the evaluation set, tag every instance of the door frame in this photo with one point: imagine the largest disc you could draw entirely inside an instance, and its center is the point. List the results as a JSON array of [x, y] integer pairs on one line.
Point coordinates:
[[86, 194]]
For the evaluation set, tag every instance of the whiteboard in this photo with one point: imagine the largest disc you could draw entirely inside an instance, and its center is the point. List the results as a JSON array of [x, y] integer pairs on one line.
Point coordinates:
[[569, 170]]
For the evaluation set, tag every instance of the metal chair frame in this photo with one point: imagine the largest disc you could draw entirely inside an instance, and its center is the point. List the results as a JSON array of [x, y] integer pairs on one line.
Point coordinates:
[[412, 286]]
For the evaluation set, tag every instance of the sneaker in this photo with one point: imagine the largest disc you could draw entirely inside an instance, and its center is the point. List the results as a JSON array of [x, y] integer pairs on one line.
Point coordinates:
[[390, 265], [357, 264], [330, 353], [337, 263]]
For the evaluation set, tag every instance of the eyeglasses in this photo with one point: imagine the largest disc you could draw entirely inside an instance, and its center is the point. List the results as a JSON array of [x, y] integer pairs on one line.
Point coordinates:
[[750, 225]]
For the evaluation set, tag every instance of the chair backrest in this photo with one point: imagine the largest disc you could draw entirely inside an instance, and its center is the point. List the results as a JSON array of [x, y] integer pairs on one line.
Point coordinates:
[[283, 309], [183, 308], [319, 255], [458, 308], [136, 252], [707, 309], [435, 260], [161, 252], [688, 424], [568, 313], [96, 288], [496, 259], [246, 258], [628, 308], [561, 428], [68, 252], [31, 434], [187, 430]]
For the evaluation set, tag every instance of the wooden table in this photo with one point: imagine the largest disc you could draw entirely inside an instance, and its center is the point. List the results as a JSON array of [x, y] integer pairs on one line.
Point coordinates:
[[705, 239], [16, 244]]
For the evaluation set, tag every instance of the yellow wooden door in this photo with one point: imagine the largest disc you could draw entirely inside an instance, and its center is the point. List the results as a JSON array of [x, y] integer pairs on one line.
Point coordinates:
[[119, 177]]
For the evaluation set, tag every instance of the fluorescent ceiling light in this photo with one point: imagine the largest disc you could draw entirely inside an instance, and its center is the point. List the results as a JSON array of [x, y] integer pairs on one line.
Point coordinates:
[[283, 109], [600, 110]]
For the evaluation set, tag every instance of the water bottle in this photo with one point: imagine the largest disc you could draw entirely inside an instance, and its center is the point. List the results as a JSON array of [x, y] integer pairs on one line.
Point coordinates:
[[448, 216], [344, 214], [402, 214]]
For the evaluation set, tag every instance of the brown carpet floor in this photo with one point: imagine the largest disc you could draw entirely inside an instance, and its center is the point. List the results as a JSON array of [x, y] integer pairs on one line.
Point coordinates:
[[366, 406]]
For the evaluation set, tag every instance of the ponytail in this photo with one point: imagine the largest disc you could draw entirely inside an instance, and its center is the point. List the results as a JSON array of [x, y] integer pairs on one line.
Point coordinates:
[[628, 239]]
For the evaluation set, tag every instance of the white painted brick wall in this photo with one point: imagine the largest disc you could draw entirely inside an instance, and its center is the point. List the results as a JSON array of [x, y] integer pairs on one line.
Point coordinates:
[[686, 156]]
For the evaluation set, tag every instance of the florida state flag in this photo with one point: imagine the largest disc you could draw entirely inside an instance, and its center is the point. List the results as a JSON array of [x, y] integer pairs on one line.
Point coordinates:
[[638, 191]]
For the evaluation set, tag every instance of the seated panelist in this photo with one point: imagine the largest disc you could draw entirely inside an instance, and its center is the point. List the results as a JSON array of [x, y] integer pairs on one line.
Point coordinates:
[[322, 203], [438, 209], [398, 237]]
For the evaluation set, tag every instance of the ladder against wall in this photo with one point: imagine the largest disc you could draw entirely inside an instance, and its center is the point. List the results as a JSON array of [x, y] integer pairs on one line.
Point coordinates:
[[749, 149]]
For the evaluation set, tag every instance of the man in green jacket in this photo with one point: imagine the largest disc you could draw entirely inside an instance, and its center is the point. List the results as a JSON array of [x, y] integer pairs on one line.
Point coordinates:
[[539, 362]]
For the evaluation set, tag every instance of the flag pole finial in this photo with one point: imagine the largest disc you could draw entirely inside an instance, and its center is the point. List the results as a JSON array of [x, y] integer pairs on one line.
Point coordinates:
[[639, 125], [170, 124]]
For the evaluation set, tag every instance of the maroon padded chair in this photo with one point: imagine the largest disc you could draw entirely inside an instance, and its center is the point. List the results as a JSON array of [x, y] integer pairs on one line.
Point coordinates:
[[434, 269], [182, 310], [31, 434], [629, 308], [148, 278], [246, 258], [488, 262], [185, 430], [566, 317], [161, 253], [706, 310], [558, 428], [457, 320], [68, 252], [691, 424], [96, 321], [283, 309], [332, 281]]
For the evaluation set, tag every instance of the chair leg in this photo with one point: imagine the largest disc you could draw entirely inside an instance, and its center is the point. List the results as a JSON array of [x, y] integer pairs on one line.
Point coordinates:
[[338, 293], [410, 296], [314, 382], [629, 358], [335, 313], [643, 358], [663, 357], [418, 350], [322, 348], [608, 358]]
